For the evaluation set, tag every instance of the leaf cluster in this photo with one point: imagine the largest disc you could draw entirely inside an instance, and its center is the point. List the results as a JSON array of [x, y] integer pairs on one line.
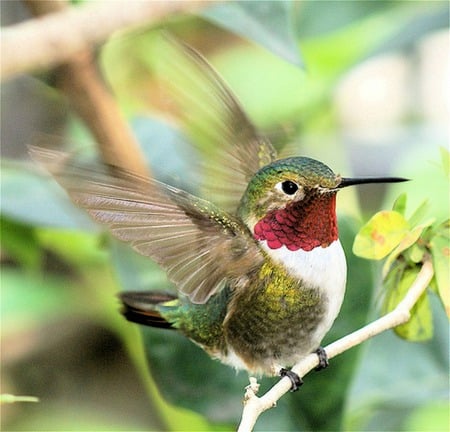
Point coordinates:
[[405, 243]]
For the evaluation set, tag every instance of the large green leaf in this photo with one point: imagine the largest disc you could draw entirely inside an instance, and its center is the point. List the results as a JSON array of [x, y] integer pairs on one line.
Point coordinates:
[[420, 326], [268, 23], [34, 199], [168, 152]]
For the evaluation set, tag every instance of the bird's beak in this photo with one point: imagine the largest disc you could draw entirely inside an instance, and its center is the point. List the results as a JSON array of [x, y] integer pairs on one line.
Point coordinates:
[[345, 181]]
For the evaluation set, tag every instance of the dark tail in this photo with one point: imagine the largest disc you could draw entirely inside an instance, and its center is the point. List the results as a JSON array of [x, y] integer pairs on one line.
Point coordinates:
[[140, 307]]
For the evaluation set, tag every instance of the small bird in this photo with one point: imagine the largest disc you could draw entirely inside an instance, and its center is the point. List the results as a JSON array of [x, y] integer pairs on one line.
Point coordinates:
[[260, 273]]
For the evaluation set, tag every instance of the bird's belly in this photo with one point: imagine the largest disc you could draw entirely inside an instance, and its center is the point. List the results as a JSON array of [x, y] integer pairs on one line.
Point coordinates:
[[326, 269], [288, 311]]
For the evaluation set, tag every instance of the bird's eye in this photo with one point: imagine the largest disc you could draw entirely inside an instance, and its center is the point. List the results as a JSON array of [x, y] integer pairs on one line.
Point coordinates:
[[289, 187]]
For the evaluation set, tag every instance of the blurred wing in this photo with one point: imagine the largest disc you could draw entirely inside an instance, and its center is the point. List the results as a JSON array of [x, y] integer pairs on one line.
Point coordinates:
[[198, 245], [215, 123]]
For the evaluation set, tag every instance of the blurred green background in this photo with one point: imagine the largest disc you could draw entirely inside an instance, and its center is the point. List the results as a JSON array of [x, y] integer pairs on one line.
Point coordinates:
[[359, 85]]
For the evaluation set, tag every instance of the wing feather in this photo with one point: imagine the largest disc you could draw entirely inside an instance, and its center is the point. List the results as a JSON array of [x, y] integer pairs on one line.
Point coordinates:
[[232, 148], [200, 246]]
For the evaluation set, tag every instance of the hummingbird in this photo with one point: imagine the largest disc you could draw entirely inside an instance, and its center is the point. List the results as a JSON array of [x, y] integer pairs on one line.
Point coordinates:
[[260, 272]]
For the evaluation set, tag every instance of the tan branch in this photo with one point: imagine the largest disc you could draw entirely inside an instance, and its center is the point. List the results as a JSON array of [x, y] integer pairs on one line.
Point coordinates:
[[254, 406], [54, 38]]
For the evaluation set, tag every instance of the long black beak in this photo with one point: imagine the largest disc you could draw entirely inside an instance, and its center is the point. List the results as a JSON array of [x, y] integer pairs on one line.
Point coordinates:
[[345, 181]]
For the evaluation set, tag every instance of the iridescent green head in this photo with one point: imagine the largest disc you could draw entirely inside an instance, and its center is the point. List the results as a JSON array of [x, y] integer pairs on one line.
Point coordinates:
[[282, 182]]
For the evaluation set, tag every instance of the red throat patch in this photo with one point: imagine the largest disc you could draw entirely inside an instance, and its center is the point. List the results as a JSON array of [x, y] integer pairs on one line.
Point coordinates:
[[306, 224]]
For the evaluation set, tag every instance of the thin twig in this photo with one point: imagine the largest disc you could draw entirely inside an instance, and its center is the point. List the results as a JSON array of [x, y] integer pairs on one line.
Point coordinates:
[[254, 406]]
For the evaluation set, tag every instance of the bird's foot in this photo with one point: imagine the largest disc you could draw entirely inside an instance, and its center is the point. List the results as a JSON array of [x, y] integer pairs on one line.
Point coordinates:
[[296, 381], [323, 359]]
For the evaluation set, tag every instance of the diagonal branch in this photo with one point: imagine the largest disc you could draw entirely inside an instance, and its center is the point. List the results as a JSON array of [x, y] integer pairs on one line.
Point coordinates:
[[54, 38], [254, 406]]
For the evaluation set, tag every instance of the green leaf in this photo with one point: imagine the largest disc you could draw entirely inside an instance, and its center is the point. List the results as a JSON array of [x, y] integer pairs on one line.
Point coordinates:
[[9, 398], [430, 417], [19, 242], [75, 247], [440, 252], [267, 23], [382, 233], [420, 326], [416, 253], [34, 199], [158, 140], [408, 240], [419, 213], [445, 159], [400, 204]]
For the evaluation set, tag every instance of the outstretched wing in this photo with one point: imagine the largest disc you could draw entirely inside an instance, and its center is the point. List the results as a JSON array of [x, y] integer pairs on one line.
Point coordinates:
[[232, 149], [199, 246]]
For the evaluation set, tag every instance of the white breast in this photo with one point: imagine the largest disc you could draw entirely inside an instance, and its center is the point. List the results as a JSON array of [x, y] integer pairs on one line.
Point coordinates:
[[324, 268]]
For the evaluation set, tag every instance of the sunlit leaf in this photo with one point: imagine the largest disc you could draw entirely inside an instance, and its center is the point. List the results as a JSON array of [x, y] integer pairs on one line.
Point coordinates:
[[408, 240], [445, 159], [400, 204], [9, 398], [419, 213], [382, 233], [420, 326], [440, 251], [429, 416]]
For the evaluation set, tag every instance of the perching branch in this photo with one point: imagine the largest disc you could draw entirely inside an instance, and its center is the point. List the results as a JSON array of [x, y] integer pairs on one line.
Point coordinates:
[[254, 406]]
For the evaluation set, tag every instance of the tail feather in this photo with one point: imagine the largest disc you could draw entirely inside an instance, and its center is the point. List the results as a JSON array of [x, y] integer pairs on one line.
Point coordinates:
[[141, 307]]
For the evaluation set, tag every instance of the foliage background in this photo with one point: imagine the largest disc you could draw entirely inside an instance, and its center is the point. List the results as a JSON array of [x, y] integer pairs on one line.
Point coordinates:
[[369, 100]]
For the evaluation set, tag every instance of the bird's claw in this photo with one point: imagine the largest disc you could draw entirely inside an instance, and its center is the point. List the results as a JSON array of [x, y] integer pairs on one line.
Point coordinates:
[[296, 381], [323, 359]]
